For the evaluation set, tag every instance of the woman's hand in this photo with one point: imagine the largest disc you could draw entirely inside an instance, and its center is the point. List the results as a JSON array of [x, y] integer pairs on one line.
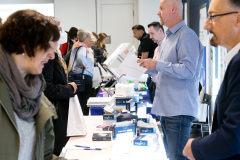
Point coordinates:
[[74, 85], [82, 67], [105, 54], [126, 51]]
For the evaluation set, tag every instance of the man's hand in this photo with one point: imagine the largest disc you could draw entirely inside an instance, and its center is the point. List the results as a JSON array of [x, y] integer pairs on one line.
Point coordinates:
[[126, 51], [187, 151], [149, 64], [73, 84], [136, 53]]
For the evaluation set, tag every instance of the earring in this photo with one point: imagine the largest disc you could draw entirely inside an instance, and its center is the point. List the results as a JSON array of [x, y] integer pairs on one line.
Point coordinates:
[[23, 54]]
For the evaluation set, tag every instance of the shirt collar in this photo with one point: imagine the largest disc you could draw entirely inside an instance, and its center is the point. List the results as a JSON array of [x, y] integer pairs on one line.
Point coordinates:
[[143, 36], [228, 57], [160, 43], [175, 28]]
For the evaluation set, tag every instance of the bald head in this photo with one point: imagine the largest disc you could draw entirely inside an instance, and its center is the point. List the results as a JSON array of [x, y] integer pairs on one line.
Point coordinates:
[[234, 4], [170, 12]]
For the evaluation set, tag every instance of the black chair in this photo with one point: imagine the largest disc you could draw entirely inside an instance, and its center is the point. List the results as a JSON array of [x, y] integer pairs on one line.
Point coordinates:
[[206, 126]]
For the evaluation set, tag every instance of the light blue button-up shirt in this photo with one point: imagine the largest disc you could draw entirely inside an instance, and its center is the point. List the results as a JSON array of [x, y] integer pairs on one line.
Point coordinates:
[[83, 59], [178, 70]]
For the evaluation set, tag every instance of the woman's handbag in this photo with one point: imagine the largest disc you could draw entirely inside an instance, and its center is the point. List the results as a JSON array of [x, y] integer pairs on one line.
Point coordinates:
[[78, 78]]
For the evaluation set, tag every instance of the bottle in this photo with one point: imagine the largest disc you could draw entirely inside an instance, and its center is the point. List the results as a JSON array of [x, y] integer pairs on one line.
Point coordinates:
[[135, 85]]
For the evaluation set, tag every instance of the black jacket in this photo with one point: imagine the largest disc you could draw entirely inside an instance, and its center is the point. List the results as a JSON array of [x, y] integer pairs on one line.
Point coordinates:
[[98, 54], [224, 142], [58, 92]]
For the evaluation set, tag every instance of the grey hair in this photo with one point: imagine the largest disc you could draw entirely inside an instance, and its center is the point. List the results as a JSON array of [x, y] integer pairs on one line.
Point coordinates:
[[83, 34], [55, 20]]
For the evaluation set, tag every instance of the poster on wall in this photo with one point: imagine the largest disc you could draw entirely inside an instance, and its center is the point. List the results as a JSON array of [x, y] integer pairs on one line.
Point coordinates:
[[202, 32], [203, 36]]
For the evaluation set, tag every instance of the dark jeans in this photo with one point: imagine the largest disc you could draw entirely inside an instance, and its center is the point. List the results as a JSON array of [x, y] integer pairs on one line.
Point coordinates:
[[176, 132], [84, 96]]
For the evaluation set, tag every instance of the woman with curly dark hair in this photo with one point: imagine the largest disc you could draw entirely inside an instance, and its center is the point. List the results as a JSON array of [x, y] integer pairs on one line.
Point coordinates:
[[27, 41]]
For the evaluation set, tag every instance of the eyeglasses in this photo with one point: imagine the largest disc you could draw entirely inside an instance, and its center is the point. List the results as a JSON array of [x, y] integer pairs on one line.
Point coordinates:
[[211, 18]]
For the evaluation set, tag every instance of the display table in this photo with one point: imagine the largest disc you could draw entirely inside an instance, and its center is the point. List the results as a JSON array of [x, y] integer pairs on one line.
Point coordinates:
[[99, 110], [110, 149]]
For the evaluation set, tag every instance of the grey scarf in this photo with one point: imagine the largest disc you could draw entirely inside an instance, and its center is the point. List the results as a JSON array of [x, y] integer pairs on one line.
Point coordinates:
[[24, 92]]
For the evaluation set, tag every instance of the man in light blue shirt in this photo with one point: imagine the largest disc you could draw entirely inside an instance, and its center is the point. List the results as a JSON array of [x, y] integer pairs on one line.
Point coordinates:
[[178, 69]]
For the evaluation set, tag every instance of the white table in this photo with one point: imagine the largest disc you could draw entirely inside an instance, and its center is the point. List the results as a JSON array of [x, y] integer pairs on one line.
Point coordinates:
[[109, 151]]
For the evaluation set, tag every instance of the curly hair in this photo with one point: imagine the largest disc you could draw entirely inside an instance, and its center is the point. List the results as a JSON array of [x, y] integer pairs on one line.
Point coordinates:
[[26, 30]]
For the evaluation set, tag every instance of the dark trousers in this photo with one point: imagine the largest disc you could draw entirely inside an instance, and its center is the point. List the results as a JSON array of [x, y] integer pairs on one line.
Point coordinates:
[[60, 126], [152, 89], [84, 96]]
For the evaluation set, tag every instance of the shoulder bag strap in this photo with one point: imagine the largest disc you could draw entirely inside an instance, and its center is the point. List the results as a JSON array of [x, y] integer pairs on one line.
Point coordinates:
[[75, 57]]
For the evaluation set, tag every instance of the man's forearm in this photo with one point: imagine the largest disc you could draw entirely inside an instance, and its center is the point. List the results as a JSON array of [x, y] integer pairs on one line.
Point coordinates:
[[144, 55]]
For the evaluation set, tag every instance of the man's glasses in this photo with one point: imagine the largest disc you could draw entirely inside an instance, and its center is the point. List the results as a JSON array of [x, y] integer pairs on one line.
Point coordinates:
[[211, 18]]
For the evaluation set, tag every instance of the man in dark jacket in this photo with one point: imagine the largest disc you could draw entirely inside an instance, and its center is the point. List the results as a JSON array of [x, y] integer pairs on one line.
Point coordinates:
[[224, 142]]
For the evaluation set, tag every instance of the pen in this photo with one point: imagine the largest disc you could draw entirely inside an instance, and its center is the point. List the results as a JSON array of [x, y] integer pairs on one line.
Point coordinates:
[[82, 146], [97, 149]]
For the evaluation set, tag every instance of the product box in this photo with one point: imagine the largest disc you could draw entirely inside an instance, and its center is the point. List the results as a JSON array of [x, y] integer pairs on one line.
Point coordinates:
[[124, 127], [151, 130], [126, 117], [146, 120], [109, 119], [101, 137], [145, 140], [121, 102]]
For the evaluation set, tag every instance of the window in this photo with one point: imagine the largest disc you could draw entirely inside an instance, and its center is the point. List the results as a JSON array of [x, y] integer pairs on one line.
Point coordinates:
[[7, 9]]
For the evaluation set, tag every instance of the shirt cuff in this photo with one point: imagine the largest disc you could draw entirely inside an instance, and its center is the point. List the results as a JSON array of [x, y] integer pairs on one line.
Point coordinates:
[[160, 65]]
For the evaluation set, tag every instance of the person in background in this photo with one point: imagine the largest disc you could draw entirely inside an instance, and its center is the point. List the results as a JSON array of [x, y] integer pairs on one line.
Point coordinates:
[[58, 91], [145, 49], [156, 33], [100, 52], [26, 119], [72, 38], [83, 60], [96, 36], [147, 46], [176, 97], [91, 44], [224, 141]]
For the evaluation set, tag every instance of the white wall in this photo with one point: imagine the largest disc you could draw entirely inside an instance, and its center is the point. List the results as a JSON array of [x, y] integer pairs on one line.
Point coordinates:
[[147, 10], [82, 13], [24, 1], [76, 13]]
